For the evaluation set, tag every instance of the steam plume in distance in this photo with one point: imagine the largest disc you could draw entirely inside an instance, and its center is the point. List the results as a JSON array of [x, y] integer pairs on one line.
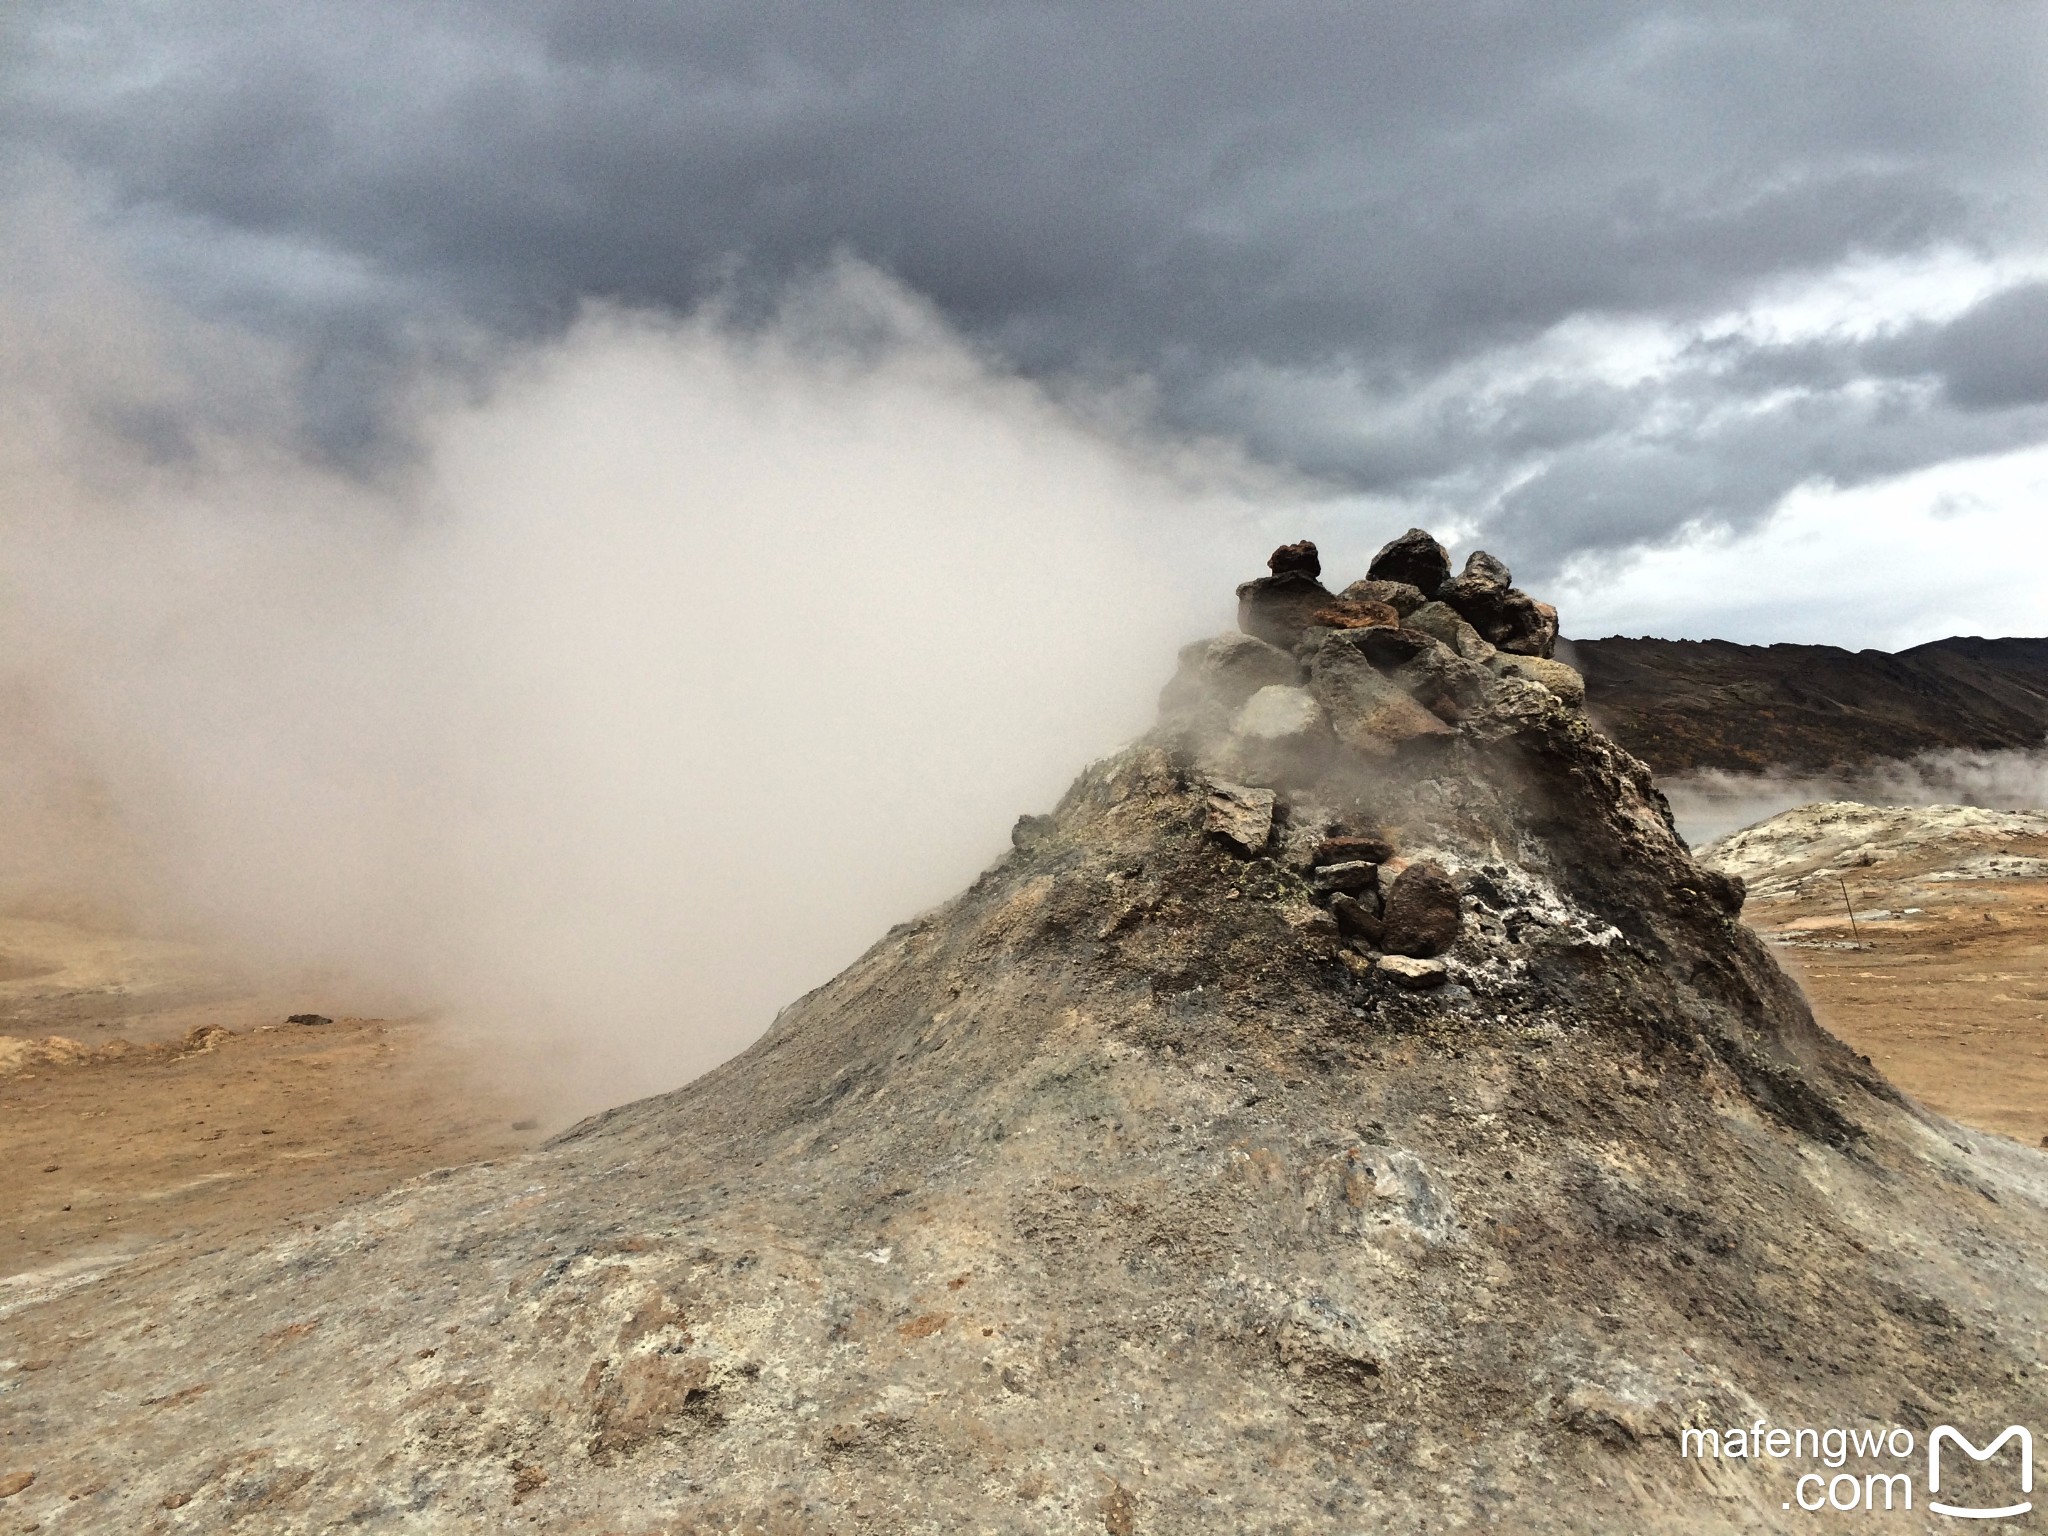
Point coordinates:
[[683, 658], [1711, 803]]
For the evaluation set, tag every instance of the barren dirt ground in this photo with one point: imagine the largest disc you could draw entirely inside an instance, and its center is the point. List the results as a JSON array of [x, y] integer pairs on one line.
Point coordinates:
[[1951, 1000], [142, 1130]]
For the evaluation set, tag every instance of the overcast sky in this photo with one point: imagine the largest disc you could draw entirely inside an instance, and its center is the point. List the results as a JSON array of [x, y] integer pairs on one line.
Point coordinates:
[[1713, 317]]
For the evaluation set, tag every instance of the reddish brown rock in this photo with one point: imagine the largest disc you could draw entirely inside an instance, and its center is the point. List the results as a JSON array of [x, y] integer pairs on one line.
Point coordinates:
[[1422, 915], [1354, 613], [1295, 559]]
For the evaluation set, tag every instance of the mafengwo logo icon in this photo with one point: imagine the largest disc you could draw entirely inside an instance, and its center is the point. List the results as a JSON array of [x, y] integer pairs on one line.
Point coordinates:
[[1945, 1435]]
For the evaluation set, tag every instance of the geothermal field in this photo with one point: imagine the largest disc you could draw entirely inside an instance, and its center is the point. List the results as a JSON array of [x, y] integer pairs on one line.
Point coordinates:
[[1023, 770], [1351, 1104]]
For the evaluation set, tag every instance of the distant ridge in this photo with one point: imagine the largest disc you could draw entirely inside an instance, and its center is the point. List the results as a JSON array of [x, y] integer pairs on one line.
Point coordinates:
[[1689, 704]]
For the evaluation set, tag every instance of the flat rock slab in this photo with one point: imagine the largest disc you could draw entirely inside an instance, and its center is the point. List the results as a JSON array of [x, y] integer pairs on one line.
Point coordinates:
[[1415, 975], [1241, 817]]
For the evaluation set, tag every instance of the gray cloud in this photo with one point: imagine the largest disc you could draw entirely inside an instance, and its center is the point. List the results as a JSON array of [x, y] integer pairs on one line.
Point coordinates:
[[1331, 233], [1992, 357]]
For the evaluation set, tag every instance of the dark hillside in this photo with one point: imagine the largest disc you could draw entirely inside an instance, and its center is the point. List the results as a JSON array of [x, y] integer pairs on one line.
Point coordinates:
[[1686, 704]]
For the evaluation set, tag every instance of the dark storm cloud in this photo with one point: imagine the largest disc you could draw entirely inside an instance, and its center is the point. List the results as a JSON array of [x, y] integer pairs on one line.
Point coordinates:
[[1320, 228], [1992, 357]]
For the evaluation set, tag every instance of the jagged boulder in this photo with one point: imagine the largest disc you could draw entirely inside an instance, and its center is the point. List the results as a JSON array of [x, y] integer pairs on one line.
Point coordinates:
[[1482, 567], [1442, 622], [1423, 915], [1298, 559], [1217, 676], [1370, 713], [1416, 559], [1560, 679], [1240, 816], [1400, 596], [1506, 617], [1276, 609], [1434, 675]]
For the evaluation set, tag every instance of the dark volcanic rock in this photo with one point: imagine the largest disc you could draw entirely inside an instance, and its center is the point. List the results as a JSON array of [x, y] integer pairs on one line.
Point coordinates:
[[1422, 913], [1295, 559], [1434, 676], [1391, 648], [1277, 609], [1442, 622], [1480, 566], [1504, 616], [1027, 830], [1357, 918], [1414, 558], [1346, 849]]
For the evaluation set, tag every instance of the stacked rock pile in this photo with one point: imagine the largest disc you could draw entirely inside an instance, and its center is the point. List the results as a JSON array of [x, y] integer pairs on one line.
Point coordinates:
[[1318, 689], [1390, 664]]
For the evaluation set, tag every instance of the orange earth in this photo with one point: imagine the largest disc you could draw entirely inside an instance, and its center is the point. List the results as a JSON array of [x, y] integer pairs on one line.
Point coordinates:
[[150, 1098]]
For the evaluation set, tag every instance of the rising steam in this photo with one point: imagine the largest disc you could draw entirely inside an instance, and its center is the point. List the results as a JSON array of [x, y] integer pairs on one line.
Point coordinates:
[[680, 660], [1711, 803]]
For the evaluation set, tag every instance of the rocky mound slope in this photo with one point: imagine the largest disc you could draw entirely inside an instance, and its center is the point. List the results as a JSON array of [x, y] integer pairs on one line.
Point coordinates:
[[1351, 1107]]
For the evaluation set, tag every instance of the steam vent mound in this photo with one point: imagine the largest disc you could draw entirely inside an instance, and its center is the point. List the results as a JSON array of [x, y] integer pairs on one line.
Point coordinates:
[[1351, 1108]]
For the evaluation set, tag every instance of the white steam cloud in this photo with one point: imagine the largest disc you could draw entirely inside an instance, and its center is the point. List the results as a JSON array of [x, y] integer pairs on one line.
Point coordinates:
[[682, 660], [1710, 804]]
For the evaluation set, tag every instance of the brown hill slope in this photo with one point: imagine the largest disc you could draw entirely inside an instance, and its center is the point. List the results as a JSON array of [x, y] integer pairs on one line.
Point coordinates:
[[1687, 704], [1352, 1108]]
